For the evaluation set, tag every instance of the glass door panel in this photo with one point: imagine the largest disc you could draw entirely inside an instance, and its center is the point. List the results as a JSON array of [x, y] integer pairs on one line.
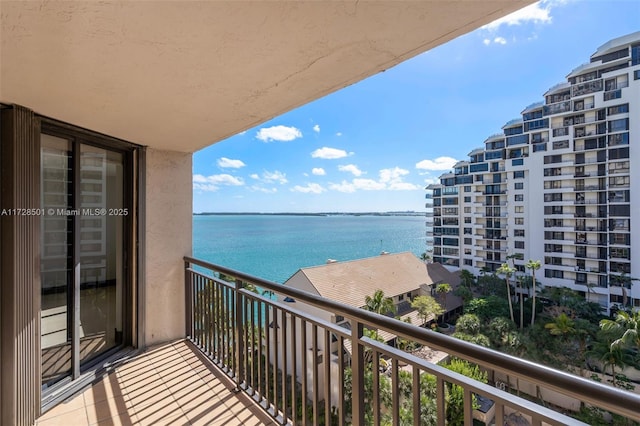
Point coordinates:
[[101, 250], [82, 255], [56, 258]]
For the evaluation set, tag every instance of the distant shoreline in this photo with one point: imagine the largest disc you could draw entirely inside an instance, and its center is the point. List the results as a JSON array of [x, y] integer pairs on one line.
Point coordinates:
[[407, 213]]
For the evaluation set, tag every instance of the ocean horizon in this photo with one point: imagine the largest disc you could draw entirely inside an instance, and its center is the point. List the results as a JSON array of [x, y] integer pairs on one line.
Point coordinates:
[[273, 246]]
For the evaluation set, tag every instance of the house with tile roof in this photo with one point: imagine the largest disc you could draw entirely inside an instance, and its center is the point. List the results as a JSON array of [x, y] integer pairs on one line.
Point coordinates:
[[401, 276]]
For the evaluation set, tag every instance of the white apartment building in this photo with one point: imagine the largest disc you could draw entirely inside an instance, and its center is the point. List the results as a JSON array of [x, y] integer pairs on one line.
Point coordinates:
[[556, 185]]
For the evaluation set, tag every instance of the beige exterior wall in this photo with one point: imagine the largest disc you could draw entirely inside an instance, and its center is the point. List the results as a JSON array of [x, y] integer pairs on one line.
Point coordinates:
[[168, 239]]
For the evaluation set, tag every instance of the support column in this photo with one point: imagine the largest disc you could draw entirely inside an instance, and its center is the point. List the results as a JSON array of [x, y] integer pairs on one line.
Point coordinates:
[[20, 272]]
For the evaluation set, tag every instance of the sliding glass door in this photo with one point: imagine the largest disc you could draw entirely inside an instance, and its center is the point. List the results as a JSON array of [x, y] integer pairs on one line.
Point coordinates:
[[83, 254]]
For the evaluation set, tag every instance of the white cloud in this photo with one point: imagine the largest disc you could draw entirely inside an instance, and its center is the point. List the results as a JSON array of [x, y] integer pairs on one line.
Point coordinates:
[[311, 188], [265, 190], [539, 13], [486, 41], [358, 184], [392, 175], [275, 176], [316, 128], [329, 153], [278, 133], [403, 186], [390, 180], [339, 134], [318, 171], [440, 163], [351, 168], [254, 176], [500, 40], [213, 182], [429, 181], [229, 163]]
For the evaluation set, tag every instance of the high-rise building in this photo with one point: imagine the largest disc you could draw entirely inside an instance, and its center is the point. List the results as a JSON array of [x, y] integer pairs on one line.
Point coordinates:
[[556, 185]]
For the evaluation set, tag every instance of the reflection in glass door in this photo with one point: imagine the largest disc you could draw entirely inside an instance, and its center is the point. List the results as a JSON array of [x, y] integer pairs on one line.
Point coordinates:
[[82, 257], [56, 258]]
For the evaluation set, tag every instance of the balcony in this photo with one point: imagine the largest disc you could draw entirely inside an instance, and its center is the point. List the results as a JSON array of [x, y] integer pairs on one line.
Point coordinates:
[[295, 365], [172, 383]]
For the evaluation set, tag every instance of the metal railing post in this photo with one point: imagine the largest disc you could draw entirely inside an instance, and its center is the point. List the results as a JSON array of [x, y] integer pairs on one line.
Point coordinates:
[[188, 297], [357, 373], [238, 315]]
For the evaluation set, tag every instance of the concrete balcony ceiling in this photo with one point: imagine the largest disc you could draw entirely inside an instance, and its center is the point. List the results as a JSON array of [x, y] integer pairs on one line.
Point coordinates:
[[184, 75]]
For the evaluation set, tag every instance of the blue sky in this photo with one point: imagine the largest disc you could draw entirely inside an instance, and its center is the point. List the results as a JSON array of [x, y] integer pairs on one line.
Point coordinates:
[[375, 145]]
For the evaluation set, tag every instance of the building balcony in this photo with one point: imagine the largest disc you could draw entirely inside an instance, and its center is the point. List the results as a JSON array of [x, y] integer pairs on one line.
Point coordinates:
[[173, 383], [294, 365]]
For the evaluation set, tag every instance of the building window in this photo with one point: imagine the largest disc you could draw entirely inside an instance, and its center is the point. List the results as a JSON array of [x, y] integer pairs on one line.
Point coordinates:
[[619, 139], [467, 199], [468, 262], [618, 109], [518, 174], [619, 125], [519, 220], [615, 154], [518, 197], [518, 232], [519, 209], [467, 209], [467, 188], [519, 185], [561, 144], [518, 244], [553, 273]]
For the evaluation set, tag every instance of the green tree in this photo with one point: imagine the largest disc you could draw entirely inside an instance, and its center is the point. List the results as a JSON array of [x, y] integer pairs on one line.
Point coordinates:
[[379, 304], [442, 290], [468, 323], [533, 266], [623, 281], [427, 306], [488, 307], [562, 326], [467, 279], [508, 272], [627, 326], [612, 357], [455, 393]]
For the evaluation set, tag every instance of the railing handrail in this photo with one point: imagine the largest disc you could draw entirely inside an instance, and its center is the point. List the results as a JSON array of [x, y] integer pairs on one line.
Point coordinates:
[[609, 398]]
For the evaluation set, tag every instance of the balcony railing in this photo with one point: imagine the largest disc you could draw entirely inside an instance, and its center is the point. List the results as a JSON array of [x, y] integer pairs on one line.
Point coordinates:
[[303, 368]]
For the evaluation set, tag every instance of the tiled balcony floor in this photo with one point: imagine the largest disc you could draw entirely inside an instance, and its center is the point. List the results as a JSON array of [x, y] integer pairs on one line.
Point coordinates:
[[167, 385]]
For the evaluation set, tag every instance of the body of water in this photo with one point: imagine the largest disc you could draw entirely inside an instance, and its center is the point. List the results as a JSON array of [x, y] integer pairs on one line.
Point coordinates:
[[274, 247]]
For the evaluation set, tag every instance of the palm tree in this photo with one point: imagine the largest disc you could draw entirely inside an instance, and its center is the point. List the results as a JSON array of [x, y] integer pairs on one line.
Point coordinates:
[[442, 290], [467, 278], [628, 325], [425, 257], [562, 325], [379, 303], [533, 265], [612, 356], [522, 283], [508, 271]]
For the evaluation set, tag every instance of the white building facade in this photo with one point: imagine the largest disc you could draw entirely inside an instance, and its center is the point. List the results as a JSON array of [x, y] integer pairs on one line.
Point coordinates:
[[556, 186]]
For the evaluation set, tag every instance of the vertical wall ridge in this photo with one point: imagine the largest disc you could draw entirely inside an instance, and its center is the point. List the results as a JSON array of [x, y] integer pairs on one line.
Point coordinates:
[[20, 292]]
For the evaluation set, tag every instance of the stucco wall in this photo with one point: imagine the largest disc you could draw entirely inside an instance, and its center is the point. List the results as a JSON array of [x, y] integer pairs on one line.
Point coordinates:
[[168, 239]]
